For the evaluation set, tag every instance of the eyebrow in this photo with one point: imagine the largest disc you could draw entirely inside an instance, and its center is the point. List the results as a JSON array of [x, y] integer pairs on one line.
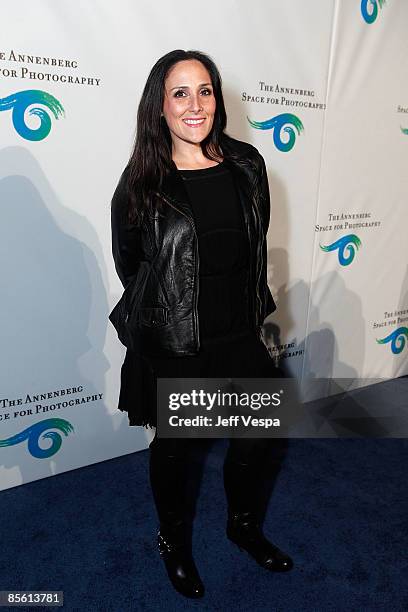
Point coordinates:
[[186, 86]]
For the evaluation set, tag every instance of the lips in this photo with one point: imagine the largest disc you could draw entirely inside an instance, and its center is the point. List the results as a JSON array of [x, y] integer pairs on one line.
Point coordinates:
[[194, 123]]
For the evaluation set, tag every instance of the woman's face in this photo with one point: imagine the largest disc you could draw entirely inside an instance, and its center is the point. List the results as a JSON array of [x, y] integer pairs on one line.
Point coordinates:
[[189, 103]]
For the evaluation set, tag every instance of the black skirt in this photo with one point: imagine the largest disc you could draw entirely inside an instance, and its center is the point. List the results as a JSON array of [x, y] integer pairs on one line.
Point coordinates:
[[239, 355]]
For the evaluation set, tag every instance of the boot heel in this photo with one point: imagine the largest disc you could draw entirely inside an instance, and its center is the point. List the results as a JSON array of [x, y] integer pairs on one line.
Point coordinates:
[[235, 543]]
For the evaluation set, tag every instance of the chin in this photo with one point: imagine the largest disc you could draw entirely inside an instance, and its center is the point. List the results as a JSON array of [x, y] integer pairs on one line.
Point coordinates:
[[196, 139]]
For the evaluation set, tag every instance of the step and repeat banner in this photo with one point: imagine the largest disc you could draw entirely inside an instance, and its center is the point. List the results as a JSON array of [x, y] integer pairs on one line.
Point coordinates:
[[320, 88]]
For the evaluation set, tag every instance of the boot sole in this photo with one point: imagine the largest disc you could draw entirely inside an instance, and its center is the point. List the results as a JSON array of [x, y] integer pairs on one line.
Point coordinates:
[[268, 567]]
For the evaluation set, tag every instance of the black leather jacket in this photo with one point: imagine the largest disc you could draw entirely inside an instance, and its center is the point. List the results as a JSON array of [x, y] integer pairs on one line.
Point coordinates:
[[158, 263]]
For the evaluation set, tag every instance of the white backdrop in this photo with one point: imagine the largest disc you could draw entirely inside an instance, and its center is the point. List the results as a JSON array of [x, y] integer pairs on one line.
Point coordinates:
[[332, 72]]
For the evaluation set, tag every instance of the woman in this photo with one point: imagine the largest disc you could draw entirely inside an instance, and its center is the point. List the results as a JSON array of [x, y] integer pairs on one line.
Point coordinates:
[[189, 222]]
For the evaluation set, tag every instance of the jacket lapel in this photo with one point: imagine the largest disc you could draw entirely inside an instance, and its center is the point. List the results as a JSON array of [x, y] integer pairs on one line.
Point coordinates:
[[243, 185], [173, 189]]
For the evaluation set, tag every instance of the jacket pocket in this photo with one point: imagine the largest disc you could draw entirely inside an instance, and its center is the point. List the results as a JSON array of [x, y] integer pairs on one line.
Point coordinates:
[[156, 316], [123, 315]]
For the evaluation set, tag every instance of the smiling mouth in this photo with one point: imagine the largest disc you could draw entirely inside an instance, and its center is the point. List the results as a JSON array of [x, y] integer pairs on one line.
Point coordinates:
[[194, 122]]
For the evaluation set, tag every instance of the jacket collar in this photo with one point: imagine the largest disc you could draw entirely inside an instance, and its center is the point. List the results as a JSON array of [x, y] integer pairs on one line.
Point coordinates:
[[173, 189]]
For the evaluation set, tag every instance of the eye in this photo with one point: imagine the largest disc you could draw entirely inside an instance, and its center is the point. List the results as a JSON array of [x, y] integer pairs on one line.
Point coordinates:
[[206, 91], [179, 91]]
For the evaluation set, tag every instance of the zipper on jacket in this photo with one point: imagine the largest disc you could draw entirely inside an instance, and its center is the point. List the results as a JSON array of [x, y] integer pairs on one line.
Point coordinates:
[[196, 284]]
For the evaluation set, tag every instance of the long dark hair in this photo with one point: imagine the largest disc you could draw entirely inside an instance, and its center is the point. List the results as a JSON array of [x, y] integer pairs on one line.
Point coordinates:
[[151, 158]]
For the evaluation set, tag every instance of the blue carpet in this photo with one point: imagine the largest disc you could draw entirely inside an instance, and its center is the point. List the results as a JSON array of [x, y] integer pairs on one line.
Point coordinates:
[[339, 508]]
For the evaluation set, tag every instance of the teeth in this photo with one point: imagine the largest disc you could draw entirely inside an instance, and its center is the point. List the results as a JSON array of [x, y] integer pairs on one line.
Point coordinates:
[[193, 121]]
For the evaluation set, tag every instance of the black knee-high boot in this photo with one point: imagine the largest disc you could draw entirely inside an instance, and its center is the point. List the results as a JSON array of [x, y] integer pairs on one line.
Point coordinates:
[[168, 478], [243, 477]]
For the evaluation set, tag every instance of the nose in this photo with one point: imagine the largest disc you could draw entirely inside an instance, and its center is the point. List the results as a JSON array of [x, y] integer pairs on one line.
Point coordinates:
[[195, 103]]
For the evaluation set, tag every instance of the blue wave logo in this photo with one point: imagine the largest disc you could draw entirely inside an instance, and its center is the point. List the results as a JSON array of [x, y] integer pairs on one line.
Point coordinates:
[[371, 16], [398, 339], [351, 243], [404, 130], [32, 435], [276, 124], [19, 102]]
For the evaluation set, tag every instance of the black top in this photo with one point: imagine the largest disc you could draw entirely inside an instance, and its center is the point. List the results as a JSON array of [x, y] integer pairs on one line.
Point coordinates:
[[223, 251]]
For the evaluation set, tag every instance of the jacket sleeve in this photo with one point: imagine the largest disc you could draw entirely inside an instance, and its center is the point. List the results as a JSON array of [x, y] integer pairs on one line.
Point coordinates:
[[126, 238], [265, 214], [265, 197]]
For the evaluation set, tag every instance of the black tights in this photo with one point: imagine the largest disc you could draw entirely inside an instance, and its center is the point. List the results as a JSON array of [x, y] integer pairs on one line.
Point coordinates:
[[250, 469], [251, 464]]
